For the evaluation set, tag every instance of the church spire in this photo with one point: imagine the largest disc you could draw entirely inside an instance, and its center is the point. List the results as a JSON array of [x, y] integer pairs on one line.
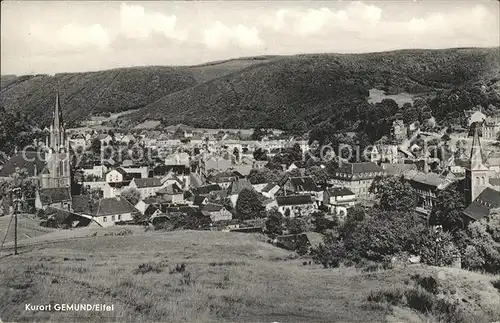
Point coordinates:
[[476, 153], [57, 114]]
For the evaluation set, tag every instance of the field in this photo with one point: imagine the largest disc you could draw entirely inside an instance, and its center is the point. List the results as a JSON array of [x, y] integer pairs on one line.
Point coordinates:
[[27, 229], [226, 277]]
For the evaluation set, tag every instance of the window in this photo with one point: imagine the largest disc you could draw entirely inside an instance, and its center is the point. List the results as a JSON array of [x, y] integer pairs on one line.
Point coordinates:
[[477, 180], [483, 181], [112, 218], [104, 219], [119, 216]]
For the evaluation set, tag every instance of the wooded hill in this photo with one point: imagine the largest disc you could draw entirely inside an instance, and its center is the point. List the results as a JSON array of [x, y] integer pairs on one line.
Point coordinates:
[[288, 92]]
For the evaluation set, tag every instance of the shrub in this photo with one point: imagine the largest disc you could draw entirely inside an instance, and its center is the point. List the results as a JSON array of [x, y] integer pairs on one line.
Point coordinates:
[[178, 269], [186, 278], [149, 267], [428, 283], [391, 295], [472, 259], [419, 299], [496, 284], [124, 232], [329, 254], [41, 214]]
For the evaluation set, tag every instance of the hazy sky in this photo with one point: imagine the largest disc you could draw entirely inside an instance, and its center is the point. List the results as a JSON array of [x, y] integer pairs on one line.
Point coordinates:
[[52, 37]]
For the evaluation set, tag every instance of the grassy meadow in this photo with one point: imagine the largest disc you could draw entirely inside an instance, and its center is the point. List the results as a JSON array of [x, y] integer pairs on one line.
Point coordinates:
[[192, 276]]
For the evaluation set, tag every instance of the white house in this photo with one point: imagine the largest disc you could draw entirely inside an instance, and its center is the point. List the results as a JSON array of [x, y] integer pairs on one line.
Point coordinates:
[[216, 212], [339, 200], [116, 175], [296, 205], [146, 186], [109, 211], [96, 171]]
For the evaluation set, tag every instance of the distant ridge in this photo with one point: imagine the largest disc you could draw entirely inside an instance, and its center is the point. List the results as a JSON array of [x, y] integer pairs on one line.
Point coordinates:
[[286, 92]]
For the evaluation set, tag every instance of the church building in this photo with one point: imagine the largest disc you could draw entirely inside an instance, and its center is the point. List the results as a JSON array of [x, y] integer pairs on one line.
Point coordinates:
[[482, 190]]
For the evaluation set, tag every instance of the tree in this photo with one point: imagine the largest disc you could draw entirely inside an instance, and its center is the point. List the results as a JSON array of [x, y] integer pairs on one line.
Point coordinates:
[[437, 248], [259, 154], [248, 205], [263, 175], [382, 233], [393, 193], [297, 225], [319, 174], [258, 134], [236, 153], [96, 146], [132, 195], [19, 179], [322, 224], [275, 222], [448, 207]]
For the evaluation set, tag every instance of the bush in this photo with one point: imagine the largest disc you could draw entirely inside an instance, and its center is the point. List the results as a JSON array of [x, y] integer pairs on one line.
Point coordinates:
[[419, 299], [428, 283], [41, 214], [149, 267], [124, 232], [330, 254], [472, 259], [178, 269], [391, 295], [496, 284]]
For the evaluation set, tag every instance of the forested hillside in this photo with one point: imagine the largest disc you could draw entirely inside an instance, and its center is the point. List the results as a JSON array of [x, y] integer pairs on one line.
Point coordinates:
[[288, 92], [300, 91], [84, 94]]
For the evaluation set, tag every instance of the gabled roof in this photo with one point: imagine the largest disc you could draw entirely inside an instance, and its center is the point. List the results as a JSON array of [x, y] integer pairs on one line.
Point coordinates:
[[212, 207], [495, 181], [398, 169], [358, 168], [294, 200], [269, 187], [119, 170], [103, 136], [206, 189], [81, 204], [339, 191], [486, 201], [113, 205], [430, 179], [171, 189], [198, 199], [54, 195], [239, 185], [147, 182], [303, 184]]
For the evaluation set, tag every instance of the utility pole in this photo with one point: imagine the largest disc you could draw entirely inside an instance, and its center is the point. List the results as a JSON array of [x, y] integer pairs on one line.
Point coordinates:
[[15, 204]]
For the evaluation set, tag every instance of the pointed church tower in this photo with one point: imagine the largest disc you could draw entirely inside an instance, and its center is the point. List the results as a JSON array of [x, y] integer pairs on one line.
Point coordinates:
[[477, 174], [57, 173]]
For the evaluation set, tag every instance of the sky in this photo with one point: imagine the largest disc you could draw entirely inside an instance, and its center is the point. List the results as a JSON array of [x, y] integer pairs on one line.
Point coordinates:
[[48, 37]]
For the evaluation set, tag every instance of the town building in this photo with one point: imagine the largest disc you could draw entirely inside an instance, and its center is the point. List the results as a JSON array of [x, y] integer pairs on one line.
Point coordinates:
[[296, 205], [216, 212], [357, 177], [339, 200]]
